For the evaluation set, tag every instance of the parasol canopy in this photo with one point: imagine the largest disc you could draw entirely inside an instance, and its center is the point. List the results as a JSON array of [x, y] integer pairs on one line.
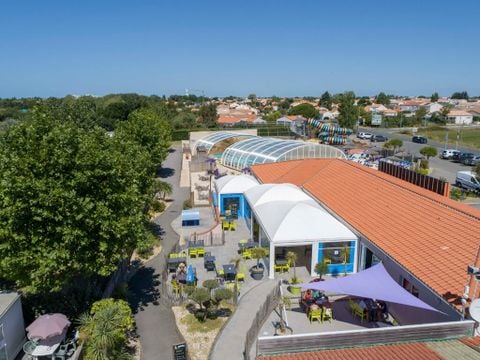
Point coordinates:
[[48, 326]]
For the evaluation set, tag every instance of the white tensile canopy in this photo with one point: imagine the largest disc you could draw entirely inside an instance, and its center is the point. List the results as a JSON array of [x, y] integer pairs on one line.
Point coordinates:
[[234, 184], [290, 222], [265, 193]]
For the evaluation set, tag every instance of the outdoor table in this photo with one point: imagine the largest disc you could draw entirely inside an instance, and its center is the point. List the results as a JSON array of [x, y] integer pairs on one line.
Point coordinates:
[[229, 272], [209, 262], [247, 245], [182, 278], [281, 261], [196, 244], [173, 263]]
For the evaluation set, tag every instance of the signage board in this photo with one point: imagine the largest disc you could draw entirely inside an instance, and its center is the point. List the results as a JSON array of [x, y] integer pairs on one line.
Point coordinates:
[[180, 351], [376, 119]]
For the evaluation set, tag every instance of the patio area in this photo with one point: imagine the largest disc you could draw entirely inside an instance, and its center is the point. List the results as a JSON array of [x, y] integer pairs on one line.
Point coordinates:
[[342, 319]]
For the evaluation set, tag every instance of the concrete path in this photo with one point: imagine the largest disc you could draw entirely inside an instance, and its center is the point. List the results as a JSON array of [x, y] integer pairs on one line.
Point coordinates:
[[230, 343], [155, 321]]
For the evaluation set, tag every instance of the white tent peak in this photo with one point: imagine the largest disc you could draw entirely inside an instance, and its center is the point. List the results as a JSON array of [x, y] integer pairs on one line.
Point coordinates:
[[289, 222], [235, 184], [265, 193]]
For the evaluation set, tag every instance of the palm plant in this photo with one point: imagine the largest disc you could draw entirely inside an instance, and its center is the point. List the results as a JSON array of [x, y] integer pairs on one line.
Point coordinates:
[[292, 258], [104, 334]]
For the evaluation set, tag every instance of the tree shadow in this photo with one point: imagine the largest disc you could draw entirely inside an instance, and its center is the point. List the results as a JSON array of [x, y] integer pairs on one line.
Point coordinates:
[[165, 172], [144, 289]]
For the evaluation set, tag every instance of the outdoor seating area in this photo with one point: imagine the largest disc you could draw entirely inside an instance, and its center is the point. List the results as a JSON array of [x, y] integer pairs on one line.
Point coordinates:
[[49, 338], [229, 263]]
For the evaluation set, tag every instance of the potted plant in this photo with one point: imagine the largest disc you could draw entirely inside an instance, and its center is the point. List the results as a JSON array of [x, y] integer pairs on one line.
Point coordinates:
[[292, 260], [257, 271], [321, 269]]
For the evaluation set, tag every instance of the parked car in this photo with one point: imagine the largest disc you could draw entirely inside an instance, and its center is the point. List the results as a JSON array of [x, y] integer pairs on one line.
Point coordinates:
[[364, 135], [419, 139], [465, 156], [378, 138], [461, 157], [467, 180], [472, 161], [449, 153]]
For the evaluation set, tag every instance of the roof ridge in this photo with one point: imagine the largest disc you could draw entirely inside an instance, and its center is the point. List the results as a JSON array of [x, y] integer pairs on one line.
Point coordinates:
[[411, 189]]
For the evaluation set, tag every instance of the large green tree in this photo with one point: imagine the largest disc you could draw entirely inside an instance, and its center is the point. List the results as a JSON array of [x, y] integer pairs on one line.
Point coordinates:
[[207, 114], [347, 109], [326, 100], [308, 111], [148, 129], [382, 98], [72, 202]]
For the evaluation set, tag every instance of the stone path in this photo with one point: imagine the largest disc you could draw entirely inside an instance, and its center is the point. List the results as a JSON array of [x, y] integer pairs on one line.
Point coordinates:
[[155, 320]]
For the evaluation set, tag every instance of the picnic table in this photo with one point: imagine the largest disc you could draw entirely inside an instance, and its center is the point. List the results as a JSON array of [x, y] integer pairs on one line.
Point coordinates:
[[229, 272], [209, 262], [247, 245], [196, 244], [172, 263]]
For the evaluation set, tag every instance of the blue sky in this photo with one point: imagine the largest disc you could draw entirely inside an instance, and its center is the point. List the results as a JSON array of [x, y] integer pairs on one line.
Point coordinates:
[[285, 48]]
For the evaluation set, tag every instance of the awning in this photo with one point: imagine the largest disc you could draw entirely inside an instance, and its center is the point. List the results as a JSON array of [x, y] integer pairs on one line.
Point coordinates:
[[190, 215], [374, 283]]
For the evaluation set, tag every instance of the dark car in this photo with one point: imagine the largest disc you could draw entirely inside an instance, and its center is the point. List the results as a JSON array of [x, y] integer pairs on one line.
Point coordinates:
[[460, 157], [419, 139], [472, 161], [378, 138], [464, 157]]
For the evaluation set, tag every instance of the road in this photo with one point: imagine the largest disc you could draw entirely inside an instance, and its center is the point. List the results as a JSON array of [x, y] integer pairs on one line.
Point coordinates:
[[440, 168], [155, 320]]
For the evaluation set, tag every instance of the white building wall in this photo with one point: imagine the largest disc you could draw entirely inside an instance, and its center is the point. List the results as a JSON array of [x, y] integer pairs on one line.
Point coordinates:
[[13, 329]]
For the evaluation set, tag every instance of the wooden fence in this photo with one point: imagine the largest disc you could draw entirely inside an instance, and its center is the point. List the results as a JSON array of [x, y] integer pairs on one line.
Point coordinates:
[[271, 302], [427, 182], [364, 337]]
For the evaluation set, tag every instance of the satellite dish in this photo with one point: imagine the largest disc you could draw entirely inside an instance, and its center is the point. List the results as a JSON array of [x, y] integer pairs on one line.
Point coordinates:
[[475, 310]]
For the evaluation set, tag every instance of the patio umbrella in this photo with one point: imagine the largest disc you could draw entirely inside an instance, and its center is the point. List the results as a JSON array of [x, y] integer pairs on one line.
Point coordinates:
[[190, 275], [47, 326]]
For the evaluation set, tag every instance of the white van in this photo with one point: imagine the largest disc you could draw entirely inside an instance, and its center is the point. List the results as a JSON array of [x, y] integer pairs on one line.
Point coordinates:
[[467, 180]]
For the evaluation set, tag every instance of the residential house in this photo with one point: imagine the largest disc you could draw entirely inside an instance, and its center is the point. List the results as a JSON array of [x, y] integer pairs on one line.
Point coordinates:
[[411, 105], [432, 107], [460, 117], [375, 108]]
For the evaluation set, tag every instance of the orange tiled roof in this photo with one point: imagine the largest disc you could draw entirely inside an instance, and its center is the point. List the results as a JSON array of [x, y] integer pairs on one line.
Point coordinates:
[[233, 119], [407, 351], [431, 236]]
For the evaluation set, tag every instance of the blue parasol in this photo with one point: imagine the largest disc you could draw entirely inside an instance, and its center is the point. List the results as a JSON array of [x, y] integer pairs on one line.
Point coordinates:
[[190, 275]]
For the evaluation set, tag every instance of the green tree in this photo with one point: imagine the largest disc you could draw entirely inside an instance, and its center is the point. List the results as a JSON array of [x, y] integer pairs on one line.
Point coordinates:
[[364, 101], [326, 100], [393, 144], [71, 202], [292, 260], [347, 109], [207, 114], [308, 111], [104, 330], [460, 95], [201, 296], [428, 151], [163, 187], [434, 97], [382, 98], [147, 129], [321, 269], [420, 114]]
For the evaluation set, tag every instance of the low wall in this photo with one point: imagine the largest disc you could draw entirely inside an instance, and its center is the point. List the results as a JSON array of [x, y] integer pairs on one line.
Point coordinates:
[[364, 337]]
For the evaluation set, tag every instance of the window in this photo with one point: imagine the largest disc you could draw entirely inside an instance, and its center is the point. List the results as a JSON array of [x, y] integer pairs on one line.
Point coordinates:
[[337, 252], [407, 285]]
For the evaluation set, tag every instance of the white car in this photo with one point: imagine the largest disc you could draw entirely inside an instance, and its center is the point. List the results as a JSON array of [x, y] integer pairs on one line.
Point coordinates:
[[364, 135]]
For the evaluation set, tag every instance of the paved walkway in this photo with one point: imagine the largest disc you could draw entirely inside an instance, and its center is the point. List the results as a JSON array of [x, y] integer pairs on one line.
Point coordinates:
[[155, 321], [230, 343]]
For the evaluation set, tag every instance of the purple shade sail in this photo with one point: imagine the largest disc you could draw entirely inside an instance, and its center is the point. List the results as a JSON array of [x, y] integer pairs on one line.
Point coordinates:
[[211, 160], [47, 326], [374, 283]]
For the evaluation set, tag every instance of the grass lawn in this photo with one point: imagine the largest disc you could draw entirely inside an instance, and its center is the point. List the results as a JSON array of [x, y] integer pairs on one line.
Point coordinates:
[[467, 137]]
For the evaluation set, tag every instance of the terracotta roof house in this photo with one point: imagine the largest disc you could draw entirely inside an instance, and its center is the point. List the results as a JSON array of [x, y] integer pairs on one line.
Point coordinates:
[[460, 117], [425, 240]]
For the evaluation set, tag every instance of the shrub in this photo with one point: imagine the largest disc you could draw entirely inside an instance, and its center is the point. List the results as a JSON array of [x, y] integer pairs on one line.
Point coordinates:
[[423, 171], [158, 206], [146, 244], [187, 204], [456, 194]]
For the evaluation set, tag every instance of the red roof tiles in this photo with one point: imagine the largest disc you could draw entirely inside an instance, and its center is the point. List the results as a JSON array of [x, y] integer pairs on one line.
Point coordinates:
[[407, 351], [431, 236]]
